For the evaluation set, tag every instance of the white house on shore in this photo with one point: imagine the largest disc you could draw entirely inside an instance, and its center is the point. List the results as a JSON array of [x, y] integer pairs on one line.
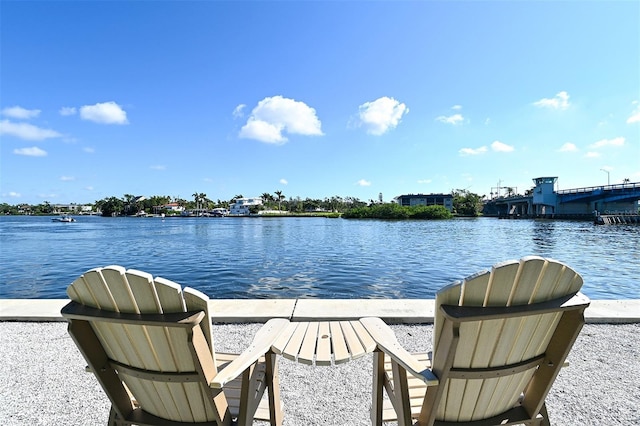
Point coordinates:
[[242, 206], [172, 207]]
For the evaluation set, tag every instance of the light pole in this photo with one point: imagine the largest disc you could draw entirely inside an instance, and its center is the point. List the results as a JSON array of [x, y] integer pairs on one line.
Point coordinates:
[[607, 172]]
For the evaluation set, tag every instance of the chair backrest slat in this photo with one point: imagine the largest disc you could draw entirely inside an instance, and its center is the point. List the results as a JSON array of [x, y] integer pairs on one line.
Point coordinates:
[[197, 301]]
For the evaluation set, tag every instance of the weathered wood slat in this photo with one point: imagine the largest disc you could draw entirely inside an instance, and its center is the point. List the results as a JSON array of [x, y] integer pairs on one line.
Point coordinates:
[[309, 343], [283, 340], [340, 350], [351, 339], [295, 341], [323, 348], [366, 340]]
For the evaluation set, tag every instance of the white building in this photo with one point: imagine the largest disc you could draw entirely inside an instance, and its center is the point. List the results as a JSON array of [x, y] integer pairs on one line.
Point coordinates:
[[173, 207], [242, 206]]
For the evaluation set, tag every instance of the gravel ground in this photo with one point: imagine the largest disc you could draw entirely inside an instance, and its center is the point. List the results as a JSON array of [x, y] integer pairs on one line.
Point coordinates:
[[43, 382]]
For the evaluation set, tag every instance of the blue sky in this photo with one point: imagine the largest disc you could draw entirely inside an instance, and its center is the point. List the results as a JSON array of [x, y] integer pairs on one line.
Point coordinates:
[[314, 98]]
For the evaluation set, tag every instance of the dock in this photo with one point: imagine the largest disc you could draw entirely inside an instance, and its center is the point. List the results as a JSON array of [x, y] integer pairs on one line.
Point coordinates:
[[617, 219]]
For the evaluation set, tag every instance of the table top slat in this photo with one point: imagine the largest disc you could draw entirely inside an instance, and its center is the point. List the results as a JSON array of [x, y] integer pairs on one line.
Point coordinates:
[[323, 349], [309, 343], [291, 350], [365, 338], [282, 340], [352, 340], [340, 351]]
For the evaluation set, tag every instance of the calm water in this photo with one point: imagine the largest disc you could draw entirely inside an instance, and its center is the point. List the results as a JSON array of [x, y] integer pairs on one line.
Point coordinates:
[[308, 257]]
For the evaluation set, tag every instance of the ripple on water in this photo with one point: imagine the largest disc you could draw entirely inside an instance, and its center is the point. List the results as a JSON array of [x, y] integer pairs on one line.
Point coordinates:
[[308, 258]]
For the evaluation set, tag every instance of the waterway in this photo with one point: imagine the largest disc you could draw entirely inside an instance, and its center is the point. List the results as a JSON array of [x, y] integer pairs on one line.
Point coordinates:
[[308, 257]]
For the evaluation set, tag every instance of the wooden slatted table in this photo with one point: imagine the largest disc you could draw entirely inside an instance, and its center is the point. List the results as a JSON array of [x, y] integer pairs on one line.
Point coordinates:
[[324, 342]]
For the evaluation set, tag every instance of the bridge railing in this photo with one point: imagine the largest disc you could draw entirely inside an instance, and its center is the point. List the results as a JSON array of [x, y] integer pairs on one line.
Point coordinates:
[[604, 188]]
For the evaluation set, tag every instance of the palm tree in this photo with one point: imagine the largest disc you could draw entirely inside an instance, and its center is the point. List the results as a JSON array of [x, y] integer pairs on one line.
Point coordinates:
[[280, 197], [204, 201], [266, 197], [128, 203], [196, 197], [200, 198]]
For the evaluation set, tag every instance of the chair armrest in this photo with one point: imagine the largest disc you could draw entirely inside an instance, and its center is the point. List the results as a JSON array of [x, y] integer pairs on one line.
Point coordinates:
[[388, 344], [260, 345]]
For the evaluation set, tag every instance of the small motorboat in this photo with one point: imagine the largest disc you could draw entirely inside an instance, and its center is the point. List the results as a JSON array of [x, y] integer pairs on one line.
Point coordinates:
[[65, 218]]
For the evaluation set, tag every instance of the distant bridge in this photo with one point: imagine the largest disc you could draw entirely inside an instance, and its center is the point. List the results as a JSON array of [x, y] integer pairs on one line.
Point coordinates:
[[578, 203], [626, 192]]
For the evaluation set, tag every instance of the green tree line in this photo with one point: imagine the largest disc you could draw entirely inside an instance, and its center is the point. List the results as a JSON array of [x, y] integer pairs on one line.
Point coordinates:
[[396, 211], [465, 203]]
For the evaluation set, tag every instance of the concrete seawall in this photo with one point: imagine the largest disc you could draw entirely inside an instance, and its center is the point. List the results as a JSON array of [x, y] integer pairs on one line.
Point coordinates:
[[393, 311]]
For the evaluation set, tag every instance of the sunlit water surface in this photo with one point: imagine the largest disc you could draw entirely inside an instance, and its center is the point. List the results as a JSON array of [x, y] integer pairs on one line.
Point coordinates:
[[308, 257]]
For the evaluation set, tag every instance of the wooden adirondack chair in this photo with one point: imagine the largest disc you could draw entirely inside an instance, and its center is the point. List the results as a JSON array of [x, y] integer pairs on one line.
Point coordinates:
[[149, 344], [500, 339]]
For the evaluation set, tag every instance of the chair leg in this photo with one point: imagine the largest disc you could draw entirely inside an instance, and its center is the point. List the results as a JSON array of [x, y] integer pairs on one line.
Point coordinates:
[[114, 419], [401, 395], [545, 416], [273, 390], [378, 388]]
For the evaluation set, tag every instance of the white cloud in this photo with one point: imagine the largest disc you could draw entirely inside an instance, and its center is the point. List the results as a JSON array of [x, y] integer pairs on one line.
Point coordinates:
[[263, 132], [452, 119], [238, 111], [104, 113], [284, 181], [13, 194], [471, 151], [158, 167], [31, 152], [568, 147], [275, 115], [26, 131], [381, 115], [501, 147], [88, 150], [559, 101], [20, 113], [363, 182], [67, 111], [67, 178], [88, 188], [424, 181], [592, 154], [457, 107], [635, 116], [619, 141]]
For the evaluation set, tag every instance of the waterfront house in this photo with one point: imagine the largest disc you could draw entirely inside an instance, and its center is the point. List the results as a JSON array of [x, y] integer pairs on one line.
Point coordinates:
[[172, 207], [242, 206], [445, 200]]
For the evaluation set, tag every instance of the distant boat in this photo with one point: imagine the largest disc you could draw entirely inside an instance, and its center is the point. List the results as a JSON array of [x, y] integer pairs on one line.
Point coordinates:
[[63, 218], [219, 212]]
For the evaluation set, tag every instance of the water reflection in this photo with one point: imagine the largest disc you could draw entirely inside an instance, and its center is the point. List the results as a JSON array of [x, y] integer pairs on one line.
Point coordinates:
[[543, 235]]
